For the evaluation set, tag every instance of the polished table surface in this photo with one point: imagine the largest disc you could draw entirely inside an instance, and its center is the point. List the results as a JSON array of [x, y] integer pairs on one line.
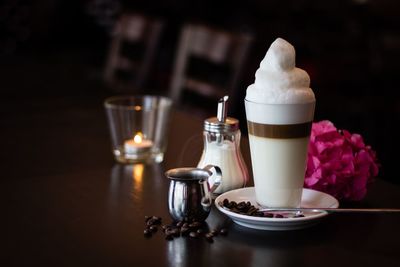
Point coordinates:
[[65, 202]]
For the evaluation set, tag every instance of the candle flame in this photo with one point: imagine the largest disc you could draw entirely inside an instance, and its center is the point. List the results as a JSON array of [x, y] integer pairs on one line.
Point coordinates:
[[138, 138]]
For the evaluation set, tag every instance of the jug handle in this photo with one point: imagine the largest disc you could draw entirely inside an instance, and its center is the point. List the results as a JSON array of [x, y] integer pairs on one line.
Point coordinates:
[[218, 176]]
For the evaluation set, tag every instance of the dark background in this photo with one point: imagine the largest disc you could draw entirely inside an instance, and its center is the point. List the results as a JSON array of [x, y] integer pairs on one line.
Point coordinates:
[[351, 49]]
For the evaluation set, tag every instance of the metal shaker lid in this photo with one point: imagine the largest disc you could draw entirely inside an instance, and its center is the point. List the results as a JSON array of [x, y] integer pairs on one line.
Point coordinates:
[[221, 123], [214, 125]]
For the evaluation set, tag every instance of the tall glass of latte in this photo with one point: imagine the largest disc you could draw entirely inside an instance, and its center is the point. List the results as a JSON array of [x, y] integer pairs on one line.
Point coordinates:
[[279, 109]]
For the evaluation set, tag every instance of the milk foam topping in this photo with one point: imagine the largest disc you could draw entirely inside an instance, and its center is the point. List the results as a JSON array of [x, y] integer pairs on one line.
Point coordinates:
[[278, 81]]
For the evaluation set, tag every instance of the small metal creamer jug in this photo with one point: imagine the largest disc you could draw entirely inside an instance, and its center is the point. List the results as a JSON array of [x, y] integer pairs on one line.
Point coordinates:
[[190, 195]]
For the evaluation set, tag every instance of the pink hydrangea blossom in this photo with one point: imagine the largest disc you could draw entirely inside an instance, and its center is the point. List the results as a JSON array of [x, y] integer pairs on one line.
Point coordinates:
[[339, 163]]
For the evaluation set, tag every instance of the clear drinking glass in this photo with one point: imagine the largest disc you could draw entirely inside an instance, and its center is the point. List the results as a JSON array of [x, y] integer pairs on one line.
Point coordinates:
[[279, 135], [138, 127]]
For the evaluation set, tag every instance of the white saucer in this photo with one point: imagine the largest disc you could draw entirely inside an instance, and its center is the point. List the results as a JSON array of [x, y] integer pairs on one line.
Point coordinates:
[[310, 199]]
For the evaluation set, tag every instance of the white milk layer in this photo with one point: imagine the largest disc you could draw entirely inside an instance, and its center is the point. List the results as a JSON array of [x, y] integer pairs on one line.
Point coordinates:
[[280, 114], [278, 170]]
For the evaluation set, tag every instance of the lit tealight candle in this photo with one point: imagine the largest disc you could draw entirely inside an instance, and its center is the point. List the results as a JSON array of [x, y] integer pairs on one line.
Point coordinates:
[[138, 144]]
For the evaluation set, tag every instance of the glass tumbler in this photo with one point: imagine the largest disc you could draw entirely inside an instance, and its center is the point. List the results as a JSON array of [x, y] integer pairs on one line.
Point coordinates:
[[138, 127]]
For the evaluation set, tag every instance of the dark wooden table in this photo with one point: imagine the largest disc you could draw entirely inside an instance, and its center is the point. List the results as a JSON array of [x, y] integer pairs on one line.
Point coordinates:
[[65, 202]]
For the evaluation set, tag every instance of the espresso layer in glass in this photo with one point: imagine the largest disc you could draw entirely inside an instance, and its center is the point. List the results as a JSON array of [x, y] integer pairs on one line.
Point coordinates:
[[278, 130]]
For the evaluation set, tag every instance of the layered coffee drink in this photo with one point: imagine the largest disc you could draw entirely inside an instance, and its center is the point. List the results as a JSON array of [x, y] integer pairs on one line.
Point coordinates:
[[279, 110]]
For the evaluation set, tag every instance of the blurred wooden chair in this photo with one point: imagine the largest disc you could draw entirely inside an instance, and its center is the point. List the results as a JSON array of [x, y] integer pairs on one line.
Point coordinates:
[[208, 62], [132, 51]]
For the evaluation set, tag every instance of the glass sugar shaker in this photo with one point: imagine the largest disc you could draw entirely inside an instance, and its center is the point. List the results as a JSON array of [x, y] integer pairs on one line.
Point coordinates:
[[221, 136]]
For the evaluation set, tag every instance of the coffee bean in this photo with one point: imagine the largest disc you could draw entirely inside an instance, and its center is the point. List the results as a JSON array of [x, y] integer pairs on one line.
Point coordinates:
[[153, 228], [298, 216], [185, 230], [200, 231], [195, 225], [225, 202], [194, 234], [147, 232], [268, 215], [214, 232], [241, 206], [176, 232], [232, 204], [279, 216], [165, 227], [150, 222], [235, 210], [179, 224], [157, 220], [251, 210]]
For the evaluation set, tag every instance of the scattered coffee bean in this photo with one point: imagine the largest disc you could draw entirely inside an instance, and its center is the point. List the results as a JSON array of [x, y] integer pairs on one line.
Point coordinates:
[[194, 229], [298, 216], [176, 232], [185, 230], [214, 232], [153, 221], [278, 216], [147, 232], [195, 225], [153, 228]]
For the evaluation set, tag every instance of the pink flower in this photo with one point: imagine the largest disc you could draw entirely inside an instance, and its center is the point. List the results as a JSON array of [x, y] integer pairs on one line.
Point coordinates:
[[339, 163]]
